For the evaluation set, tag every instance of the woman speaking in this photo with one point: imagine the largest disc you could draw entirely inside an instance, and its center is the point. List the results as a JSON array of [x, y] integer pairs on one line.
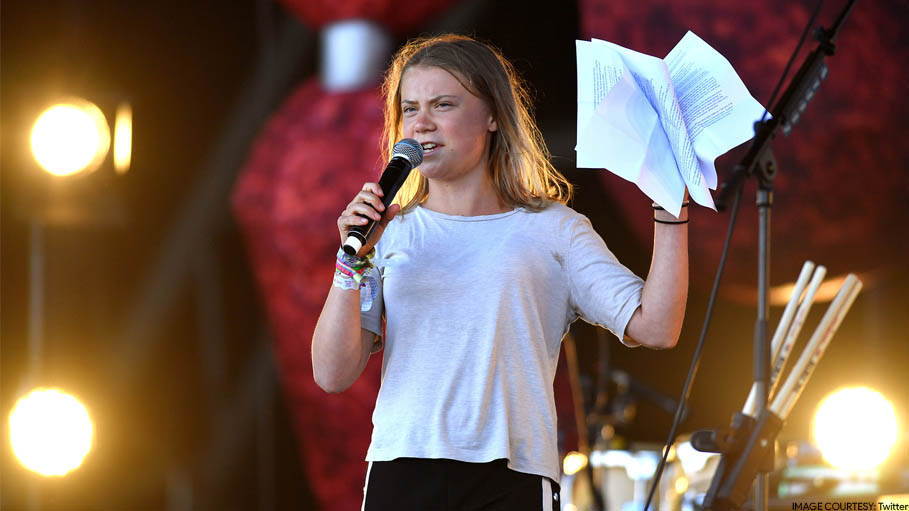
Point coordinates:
[[468, 285]]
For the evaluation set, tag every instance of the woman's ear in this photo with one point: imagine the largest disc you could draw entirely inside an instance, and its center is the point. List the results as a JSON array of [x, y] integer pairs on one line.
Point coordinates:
[[492, 126]]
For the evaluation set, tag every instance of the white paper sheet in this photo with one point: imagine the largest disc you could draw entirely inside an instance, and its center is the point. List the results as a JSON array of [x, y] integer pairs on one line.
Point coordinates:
[[661, 123], [718, 109], [623, 134]]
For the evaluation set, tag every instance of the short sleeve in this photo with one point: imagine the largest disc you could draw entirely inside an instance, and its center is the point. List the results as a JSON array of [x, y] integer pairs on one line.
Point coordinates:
[[602, 290], [371, 316]]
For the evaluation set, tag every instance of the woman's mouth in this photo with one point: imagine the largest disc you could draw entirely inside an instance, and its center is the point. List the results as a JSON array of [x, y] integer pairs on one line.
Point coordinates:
[[430, 148]]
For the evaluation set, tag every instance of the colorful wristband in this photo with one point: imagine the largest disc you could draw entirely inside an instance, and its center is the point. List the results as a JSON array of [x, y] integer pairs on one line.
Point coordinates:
[[352, 272], [353, 267]]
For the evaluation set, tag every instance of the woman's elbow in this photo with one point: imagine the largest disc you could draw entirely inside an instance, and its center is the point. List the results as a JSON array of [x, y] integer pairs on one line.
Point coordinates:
[[659, 335], [656, 341], [666, 342], [329, 383]]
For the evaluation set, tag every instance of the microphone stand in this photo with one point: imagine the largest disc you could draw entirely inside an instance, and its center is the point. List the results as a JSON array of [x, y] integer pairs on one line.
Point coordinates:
[[725, 492]]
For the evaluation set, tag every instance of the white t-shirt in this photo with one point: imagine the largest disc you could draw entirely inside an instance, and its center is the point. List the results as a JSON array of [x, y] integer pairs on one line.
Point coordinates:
[[476, 308]]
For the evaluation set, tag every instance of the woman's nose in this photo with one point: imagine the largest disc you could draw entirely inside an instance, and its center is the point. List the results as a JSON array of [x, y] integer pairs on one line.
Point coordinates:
[[423, 122]]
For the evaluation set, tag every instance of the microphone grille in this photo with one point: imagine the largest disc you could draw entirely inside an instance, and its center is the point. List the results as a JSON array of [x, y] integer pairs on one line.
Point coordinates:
[[410, 149]]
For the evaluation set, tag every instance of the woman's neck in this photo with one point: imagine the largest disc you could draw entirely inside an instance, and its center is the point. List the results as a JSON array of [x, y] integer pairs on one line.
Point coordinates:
[[463, 199]]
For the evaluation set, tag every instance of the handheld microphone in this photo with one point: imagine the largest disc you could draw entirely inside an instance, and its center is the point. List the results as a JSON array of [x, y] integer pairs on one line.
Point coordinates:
[[406, 154]]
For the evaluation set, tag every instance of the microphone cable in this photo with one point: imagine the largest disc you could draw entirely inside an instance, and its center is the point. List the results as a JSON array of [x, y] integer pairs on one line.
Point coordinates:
[[696, 358]]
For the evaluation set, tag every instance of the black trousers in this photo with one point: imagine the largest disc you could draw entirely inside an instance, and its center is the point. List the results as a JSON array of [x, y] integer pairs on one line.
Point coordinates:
[[417, 484]]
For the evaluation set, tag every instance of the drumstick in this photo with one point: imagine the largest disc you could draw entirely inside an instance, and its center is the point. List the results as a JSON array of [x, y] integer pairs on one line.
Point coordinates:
[[795, 383], [782, 327], [816, 347], [790, 402], [789, 311], [795, 329]]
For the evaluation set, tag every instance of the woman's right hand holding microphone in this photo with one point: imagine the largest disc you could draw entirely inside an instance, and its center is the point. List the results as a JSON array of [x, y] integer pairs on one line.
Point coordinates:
[[367, 205]]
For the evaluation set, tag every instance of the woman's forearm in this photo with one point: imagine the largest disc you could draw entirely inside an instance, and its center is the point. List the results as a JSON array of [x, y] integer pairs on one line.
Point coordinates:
[[340, 347], [658, 322]]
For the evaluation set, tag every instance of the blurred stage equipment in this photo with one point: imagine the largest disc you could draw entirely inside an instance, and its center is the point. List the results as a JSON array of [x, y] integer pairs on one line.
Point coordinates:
[[855, 429], [50, 432], [748, 444], [614, 405], [803, 474], [799, 475], [70, 140], [72, 137], [622, 475]]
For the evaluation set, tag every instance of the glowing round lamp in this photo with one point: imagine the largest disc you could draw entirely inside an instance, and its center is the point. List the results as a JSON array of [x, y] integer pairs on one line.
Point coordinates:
[[50, 432], [573, 463], [123, 138], [681, 485], [70, 138], [855, 428]]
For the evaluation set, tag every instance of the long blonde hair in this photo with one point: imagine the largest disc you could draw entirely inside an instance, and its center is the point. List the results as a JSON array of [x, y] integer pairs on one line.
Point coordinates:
[[521, 172]]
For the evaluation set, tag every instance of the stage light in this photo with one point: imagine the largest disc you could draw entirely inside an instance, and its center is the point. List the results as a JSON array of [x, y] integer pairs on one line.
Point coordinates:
[[855, 428], [681, 485], [573, 463], [50, 432], [779, 295], [70, 138], [123, 138]]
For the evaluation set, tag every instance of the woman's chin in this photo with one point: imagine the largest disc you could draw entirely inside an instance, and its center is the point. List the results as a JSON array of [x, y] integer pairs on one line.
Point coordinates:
[[431, 171]]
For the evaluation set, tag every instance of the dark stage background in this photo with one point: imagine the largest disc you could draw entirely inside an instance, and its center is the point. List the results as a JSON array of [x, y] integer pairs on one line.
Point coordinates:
[[179, 300]]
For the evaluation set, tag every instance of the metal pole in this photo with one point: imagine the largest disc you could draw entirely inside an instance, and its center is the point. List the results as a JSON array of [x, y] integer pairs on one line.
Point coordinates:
[[35, 327], [35, 300], [761, 346]]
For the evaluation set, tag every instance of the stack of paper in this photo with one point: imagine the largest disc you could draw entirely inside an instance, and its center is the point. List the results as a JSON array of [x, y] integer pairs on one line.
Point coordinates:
[[661, 123]]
